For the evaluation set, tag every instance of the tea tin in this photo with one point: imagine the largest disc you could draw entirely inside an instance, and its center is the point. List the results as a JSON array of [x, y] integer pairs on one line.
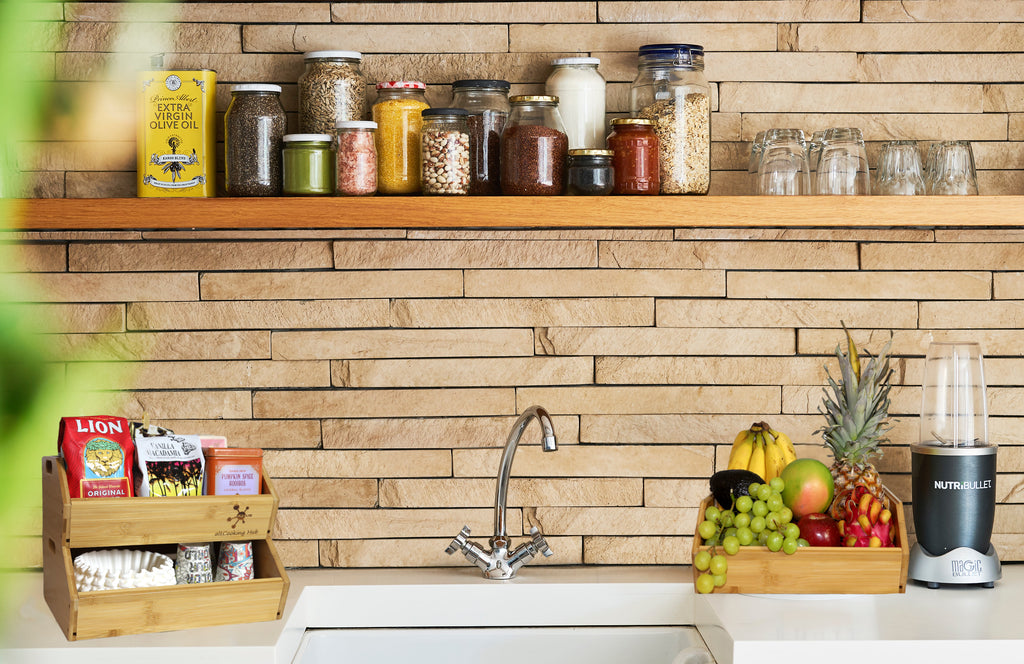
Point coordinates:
[[177, 133]]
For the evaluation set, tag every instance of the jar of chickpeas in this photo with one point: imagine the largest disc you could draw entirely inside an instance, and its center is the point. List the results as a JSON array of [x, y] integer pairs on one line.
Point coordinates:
[[397, 114]]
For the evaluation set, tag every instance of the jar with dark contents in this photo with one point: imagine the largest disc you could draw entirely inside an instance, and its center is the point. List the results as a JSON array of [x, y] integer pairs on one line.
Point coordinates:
[[356, 165], [636, 156], [533, 148], [444, 140], [308, 164], [331, 89], [590, 172], [486, 101], [253, 127]]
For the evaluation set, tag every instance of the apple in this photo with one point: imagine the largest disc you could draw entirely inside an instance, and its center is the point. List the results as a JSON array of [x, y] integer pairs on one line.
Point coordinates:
[[819, 529]]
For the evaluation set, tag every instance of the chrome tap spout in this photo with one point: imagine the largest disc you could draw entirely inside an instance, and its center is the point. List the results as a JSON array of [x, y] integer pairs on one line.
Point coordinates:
[[499, 562]]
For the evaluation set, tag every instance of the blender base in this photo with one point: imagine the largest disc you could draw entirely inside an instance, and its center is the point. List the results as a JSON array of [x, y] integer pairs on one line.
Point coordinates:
[[962, 565]]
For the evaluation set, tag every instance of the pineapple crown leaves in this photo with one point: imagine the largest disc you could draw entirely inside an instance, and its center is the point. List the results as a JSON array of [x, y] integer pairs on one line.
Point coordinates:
[[856, 408]]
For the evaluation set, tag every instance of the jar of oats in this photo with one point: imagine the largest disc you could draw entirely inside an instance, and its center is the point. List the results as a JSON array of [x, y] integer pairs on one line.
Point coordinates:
[[397, 114], [445, 151], [331, 89], [670, 90]]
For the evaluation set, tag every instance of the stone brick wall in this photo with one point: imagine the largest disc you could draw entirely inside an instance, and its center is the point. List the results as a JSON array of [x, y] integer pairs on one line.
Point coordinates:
[[382, 370]]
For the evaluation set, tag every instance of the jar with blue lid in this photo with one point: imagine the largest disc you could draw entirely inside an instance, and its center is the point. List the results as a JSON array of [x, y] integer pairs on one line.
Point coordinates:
[[670, 90]]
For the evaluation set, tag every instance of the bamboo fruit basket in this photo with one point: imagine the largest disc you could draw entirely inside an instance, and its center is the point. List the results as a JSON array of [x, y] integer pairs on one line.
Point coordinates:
[[811, 570], [71, 526]]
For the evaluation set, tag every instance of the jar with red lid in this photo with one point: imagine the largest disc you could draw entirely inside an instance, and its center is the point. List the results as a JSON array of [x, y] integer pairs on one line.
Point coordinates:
[[397, 113], [636, 156]]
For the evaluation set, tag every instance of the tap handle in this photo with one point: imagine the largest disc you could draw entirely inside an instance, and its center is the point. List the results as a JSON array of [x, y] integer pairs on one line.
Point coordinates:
[[459, 542], [540, 542]]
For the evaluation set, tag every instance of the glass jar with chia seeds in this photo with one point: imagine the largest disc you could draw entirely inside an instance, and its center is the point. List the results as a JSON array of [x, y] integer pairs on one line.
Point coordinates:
[[331, 88], [590, 172], [253, 126], [486, 100], [308, 164], [670, 89], [444, 138], [356, 166], [636, 156], [397, 114], [533, 148]]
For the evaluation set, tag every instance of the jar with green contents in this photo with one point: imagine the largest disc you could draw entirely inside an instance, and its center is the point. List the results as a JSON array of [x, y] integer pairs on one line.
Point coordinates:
[[397, 114], [308, 165]]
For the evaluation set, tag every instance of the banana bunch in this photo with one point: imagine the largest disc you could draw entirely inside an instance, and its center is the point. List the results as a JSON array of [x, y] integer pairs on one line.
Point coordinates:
[[762, 450]]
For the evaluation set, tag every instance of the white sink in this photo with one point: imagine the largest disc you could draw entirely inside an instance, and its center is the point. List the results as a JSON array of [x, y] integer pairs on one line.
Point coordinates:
[[505, 645]]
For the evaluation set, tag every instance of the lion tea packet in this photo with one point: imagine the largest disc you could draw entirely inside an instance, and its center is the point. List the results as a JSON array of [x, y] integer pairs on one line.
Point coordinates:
[[98, 456], [169, 464]]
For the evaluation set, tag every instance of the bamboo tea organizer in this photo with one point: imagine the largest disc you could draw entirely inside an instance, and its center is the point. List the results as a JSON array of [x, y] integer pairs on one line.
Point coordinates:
[[71, 526]]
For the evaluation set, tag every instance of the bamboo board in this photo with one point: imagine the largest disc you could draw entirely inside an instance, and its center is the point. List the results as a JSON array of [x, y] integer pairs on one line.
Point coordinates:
[[816, 570], [73, 525]]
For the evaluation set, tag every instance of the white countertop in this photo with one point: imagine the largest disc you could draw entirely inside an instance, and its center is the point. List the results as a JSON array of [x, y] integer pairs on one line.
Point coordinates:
[[950, 624]]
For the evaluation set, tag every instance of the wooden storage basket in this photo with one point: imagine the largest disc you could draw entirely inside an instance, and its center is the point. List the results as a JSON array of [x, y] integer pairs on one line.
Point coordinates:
[[840, 569], [71, 526]]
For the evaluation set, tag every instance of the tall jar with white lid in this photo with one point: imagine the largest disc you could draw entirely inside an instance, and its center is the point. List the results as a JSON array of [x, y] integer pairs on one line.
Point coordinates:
[[670, 89], [331, 89], [254, 125], [580, 89]]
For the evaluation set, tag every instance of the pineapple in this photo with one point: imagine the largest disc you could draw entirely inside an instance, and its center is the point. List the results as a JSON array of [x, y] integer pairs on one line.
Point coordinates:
[[856, 415]]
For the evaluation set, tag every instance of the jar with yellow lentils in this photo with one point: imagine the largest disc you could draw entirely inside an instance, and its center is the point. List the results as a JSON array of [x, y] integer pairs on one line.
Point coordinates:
[[397, 114]]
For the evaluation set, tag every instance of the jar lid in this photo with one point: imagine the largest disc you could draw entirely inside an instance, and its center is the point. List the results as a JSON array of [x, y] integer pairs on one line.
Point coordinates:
[[255, 87], [575, 61], [355, 124], [322, 55], [589, 152], [632, 121], [233, 452], [305, 138], [683, 54], [400, 85], [533, 99], [494, 83], [443, 111]]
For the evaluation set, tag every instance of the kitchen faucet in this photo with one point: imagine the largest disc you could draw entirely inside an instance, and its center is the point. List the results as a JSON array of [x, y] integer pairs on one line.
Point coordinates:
[[499, 563]]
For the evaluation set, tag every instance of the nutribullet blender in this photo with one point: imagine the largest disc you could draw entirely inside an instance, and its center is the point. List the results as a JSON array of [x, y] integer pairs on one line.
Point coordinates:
[[954, 473]]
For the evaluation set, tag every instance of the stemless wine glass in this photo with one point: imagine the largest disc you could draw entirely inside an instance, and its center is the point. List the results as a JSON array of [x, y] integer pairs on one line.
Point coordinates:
[[783, 170], [755, 161], [813, 155], [843, 166], [899, 170], [953, 172]]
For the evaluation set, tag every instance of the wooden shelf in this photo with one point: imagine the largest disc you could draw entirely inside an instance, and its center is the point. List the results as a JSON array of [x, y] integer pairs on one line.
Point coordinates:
[[520, 212]]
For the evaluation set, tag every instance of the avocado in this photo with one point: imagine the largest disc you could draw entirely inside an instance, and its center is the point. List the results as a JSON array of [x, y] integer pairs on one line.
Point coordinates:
[[728, 485]]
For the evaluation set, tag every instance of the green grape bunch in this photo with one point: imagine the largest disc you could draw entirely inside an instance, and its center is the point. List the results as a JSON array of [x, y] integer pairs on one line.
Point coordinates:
[[757, 519]]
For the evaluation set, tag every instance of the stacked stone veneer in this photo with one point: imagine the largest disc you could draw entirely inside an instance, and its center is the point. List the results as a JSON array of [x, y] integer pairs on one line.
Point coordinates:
[[382, 370]]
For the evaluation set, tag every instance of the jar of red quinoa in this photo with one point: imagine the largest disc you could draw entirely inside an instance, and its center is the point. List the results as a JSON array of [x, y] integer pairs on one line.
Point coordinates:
[[534, 148], [356, 167]]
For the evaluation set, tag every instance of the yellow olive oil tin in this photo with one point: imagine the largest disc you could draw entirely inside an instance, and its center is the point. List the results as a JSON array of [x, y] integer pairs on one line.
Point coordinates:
[[177, 133]]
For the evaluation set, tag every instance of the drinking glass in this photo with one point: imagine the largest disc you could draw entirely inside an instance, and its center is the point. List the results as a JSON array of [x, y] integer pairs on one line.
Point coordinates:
[[953, 172], [813, 155], [843, 166], [899, 170], [783, 170], [755, 161]]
